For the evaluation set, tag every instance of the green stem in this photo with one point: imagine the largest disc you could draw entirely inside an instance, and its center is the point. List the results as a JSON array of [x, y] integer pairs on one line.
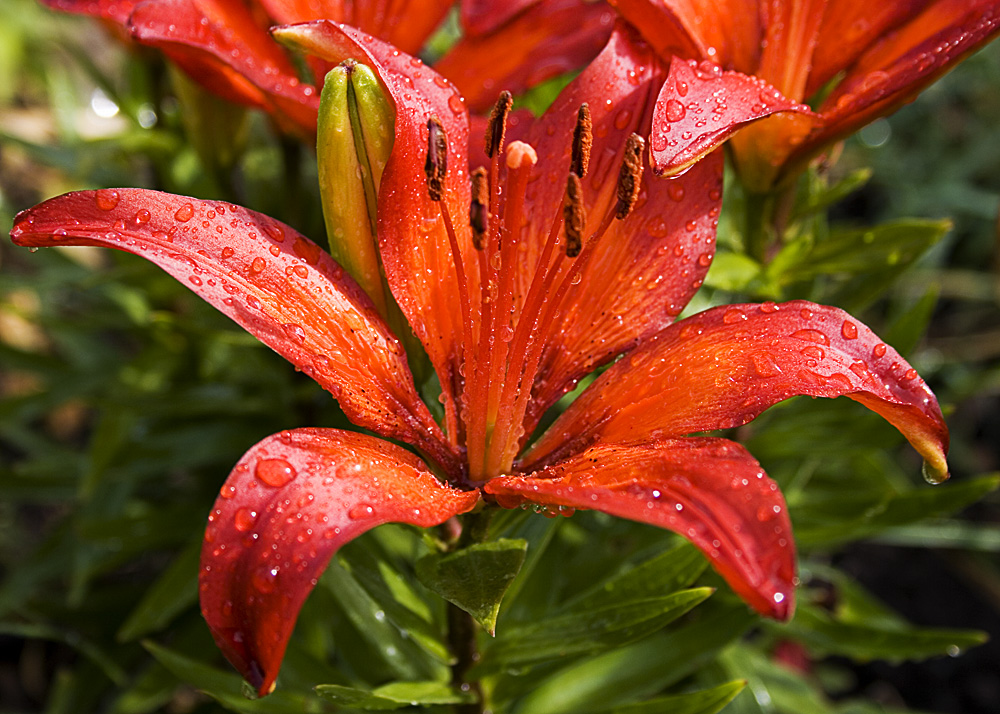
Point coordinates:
[[461, 626], [756, 228]]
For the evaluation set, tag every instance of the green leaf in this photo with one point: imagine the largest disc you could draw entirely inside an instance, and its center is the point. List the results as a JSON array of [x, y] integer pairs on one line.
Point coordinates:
[[705, 701], [475, 578], [393, 696], [821, 197], [826, 634], [663, 573], [945, 534], [900, 509], [589, 631], [172, 593], [227, 687], [641, 669], [732, 271]]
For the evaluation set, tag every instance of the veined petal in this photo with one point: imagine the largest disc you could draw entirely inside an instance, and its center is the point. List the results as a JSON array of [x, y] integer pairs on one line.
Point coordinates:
[[726, 32], [721, 368], [897, 67], [285, 509], [646, 267], [849, 28], [711, 491], [220, 45], [700, 106], [791, 28], [286, 12], [413, 242], [479, 17], [272, 281], [117, 11], [405, 25], [551, 37]]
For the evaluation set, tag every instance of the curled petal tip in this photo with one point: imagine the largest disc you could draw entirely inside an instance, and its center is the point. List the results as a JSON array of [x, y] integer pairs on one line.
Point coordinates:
[[936, 472]]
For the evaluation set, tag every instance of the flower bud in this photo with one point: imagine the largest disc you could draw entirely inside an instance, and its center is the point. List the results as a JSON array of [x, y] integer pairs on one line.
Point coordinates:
[[354, 138]]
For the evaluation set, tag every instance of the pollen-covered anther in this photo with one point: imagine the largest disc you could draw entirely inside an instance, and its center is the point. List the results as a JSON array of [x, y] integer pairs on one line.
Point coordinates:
[[630, 176], [583, 140], [574, 216], [497, 126], [436, 165], [479, 207]]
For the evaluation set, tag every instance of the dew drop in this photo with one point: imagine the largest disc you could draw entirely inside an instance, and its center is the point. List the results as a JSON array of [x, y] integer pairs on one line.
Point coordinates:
[[674, 110], [362, 510], [849, 330], [227, 491], [274, 472], [185, 213], [456, 104], [676, 191], [106, 199], [768, 307], [265, 579], [932, 475], [812, 336], [244, 519], [258, 265], [227, 252], [733, 315], [879, 350], [141, 216]]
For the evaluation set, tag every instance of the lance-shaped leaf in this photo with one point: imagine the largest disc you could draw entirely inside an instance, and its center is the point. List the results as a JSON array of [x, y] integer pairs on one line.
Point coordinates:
[[700, 106], [475, 578], [721, 368], [353, 140], [711, 491], [117, 11], [287, 506], [218, 43], [271, 280]]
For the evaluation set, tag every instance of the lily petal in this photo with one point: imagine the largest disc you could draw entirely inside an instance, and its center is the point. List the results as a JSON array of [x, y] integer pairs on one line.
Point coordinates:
[[288, 505], [405, 25], [413, 242], [726, 31], [721, 368], [219, 44], [272, 281], [479, 17], [897, 67], [700, 106], [849, 28], [117, 11], [647, 266], [549, 38], [711, 491]]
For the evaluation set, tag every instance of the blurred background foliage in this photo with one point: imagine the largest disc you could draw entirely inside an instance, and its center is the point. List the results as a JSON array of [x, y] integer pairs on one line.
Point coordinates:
[[125, 401]]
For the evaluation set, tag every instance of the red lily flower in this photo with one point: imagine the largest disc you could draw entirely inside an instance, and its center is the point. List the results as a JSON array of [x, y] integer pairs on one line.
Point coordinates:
[[571, 270], [854, 61], [225, 44]]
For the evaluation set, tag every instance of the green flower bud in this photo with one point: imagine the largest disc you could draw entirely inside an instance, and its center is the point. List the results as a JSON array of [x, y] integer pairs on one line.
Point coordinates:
[[354, 138]]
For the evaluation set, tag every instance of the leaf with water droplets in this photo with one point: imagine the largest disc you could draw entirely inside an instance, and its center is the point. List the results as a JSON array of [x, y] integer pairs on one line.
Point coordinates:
[[116, 11], [288, 505], [297, 300], [710, 491], [475, 578], [713, 106], [394, 696], [709, 372], [229, 53]]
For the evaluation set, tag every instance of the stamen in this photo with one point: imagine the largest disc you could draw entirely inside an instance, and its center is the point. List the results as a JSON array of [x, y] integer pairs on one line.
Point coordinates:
[[497, 126], [630, 176], [436, 165], [479, 210], [574, 216], [583, 139]]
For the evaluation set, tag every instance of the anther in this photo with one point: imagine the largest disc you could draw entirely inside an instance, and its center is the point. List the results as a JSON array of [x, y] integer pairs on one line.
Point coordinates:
[[436, 165], [574, 216], [583, 139], [497, 125], [630, 176], [479, 209]]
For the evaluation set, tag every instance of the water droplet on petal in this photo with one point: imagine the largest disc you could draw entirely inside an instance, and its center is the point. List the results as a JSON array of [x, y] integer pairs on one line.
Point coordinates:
[[674, 111], [106, 199], [244, 519], [184, 213], [274, 472], [362, 510], [932, 475], [849, 330]]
